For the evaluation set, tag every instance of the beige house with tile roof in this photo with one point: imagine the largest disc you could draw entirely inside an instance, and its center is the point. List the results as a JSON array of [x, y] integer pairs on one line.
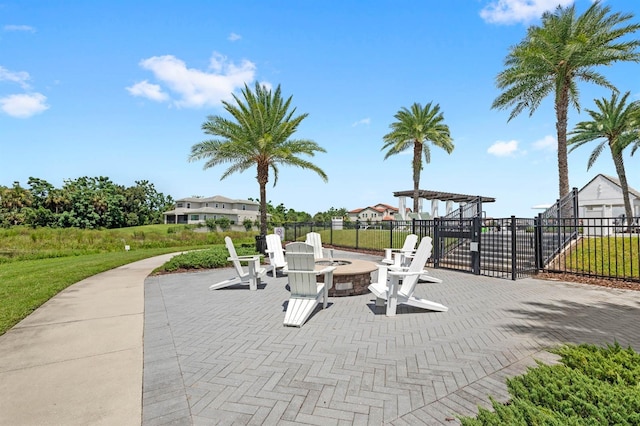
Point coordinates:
[[376, 213]]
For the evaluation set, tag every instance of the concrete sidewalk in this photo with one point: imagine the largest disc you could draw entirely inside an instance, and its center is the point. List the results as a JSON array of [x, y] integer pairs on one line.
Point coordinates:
[[77, 360]]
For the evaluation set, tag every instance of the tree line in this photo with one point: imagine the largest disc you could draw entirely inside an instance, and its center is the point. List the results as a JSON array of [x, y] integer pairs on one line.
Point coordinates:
[[85, 202]]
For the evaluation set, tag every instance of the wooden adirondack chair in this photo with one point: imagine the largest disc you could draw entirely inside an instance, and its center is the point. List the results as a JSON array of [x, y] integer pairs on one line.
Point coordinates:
[[389, 291], [313, 239], [276, 254], [401, 256], [251, 276], [306, 292]]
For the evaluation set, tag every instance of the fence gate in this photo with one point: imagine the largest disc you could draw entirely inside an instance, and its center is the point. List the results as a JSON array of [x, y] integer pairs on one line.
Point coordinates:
[[456, 244], [456, 238]]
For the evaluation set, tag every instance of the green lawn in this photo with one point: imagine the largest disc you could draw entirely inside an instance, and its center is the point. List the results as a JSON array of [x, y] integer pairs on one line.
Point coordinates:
[[611, 256], [36, 264]]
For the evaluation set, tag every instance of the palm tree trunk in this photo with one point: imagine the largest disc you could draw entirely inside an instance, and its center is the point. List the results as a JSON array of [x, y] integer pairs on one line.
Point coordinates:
[[263, 178], [562, 106], [622, 176], [417, 166]]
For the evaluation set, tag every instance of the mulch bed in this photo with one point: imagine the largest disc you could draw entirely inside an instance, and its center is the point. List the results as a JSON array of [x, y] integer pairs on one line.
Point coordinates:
[[602, 282]]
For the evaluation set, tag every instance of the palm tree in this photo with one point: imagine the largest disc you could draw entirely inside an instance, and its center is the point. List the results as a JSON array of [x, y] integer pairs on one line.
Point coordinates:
[[615, 123], [257, 135], [553, 57], [413, 129]]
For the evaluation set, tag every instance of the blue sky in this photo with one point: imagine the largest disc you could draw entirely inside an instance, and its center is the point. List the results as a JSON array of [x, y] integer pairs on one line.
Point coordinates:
[[121, 89]]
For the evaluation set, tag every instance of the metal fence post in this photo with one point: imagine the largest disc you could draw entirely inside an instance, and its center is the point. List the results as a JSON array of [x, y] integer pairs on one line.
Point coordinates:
[[475, 241], [436, 242], [391, 222], [357, 232], [514, 272], [537, 232], [331, 232]]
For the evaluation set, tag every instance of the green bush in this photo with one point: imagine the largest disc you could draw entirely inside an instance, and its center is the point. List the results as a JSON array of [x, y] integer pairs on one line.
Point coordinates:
[[591, 386], [224, 223], [215, 257]]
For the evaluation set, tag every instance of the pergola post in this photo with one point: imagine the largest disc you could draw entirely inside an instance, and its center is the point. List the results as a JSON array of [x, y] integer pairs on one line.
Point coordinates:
[[402, 207]]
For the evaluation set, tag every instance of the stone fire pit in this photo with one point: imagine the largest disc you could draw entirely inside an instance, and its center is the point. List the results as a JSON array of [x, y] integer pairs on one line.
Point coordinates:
[[351, 277]]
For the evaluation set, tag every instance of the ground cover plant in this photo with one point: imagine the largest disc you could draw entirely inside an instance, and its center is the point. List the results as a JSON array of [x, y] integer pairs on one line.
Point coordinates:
[[36, 264], [214, 257], [590, 386]]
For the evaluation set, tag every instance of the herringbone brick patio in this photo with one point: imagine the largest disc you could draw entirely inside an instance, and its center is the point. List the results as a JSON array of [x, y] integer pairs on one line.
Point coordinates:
[[224, 357]]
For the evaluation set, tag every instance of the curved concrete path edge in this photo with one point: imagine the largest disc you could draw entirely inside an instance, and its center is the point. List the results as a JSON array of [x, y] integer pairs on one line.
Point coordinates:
[[78, 359]]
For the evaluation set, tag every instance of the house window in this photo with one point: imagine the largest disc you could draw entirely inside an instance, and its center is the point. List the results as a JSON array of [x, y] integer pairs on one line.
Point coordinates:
[[244, 207], [223, 206], [180, 205], [216, 205], [195, 217], [188, 205]]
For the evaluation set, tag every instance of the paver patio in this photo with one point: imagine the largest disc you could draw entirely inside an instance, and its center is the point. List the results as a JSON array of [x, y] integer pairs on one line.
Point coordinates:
[[224, 357]]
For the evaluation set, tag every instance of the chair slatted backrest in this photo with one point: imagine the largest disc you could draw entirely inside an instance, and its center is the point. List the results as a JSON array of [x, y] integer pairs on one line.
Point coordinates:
[[301, 261], [418, 263], [276, 253], [409, 243], [313, 238], [232, 253]]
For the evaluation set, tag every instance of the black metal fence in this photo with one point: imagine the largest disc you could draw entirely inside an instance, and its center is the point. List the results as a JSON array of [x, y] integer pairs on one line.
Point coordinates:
[[599, 247], [507, 247]]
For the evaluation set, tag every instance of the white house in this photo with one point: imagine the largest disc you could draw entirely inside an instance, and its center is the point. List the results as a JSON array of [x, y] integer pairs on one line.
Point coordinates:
[[197, 210], [602, 198]]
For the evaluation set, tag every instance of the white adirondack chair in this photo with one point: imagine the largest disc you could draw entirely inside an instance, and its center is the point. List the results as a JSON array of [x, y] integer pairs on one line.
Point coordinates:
[[251, 276], [276, 254], [401, 256], [313, 239], [389, 291], [306, 292]]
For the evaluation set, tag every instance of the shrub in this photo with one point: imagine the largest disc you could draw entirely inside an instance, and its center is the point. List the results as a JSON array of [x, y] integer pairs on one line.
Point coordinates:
[[224, 223], [592, 385], [215, 257], [211, 224]]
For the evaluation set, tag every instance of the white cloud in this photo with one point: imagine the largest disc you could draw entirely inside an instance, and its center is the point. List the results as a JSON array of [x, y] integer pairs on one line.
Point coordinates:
[[548, 143], [147, 90], [195, 88], [513, 11], [20, 77], [234, 37], [26, 28], [365, 121], [503, 149], [24, 105]]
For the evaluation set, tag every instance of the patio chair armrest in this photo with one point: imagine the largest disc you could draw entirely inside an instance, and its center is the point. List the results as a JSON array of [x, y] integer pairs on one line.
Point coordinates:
[[404, 273], [248, 258], [325, 270]]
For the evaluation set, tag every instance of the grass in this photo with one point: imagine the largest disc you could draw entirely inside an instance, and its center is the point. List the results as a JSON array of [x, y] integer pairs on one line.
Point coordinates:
[[23, 243], [370, 239], [36, 264], [615, 256]]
